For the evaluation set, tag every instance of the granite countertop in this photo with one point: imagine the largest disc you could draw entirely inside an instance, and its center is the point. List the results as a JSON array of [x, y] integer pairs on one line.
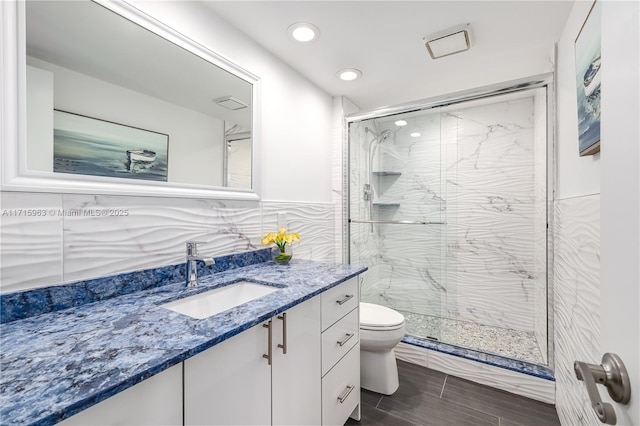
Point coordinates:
[[57, 364]]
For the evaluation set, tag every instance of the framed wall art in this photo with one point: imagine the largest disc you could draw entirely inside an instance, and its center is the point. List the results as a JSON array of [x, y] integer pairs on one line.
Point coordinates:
[[588, 75], [90, 146]]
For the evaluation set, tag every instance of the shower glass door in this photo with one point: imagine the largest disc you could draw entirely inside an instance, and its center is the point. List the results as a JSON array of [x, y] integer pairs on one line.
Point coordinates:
[[448, 209], [397, 213]]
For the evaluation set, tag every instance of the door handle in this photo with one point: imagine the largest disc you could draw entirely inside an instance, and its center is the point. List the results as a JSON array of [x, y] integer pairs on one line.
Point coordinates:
[[612, 374]]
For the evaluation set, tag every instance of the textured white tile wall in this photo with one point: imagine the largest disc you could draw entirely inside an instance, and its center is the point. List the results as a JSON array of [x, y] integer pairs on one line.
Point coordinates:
[[72, 241], [577, 302], [31, 254]]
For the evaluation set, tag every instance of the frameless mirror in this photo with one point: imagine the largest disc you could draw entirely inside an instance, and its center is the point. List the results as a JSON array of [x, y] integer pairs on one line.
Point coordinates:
[[118, 100]]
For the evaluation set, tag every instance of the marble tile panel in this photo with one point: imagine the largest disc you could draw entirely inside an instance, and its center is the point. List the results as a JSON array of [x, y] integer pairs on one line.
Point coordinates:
[[30, 240], [150, 232], [499, 301], [512, 185], [313, 221]]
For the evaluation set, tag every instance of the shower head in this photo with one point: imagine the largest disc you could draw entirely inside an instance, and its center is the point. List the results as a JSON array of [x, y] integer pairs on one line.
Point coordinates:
[[384, 136], [379, 137]]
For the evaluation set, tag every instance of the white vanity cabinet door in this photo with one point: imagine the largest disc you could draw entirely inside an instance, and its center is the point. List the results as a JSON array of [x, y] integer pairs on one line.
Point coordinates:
[[339, 301], [155, 401], [230, 383], [296, 382], [341, 389]]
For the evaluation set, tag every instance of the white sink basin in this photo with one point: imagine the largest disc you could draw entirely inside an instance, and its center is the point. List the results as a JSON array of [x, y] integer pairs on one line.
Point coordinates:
[[212, 302]]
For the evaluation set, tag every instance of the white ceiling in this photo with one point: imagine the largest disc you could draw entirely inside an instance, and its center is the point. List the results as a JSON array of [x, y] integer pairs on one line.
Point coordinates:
[[384, 39]]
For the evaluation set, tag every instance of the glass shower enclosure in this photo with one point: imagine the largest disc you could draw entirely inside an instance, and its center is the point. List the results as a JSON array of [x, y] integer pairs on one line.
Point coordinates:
[[447, 207]]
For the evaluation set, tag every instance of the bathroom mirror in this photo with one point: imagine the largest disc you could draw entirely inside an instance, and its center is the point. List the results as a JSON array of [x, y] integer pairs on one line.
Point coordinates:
[[111, 101]]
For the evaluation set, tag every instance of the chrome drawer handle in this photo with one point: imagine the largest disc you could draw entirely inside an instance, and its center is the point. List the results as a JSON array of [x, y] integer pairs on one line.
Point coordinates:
[[346, 339], [346, 394], [343, 301]]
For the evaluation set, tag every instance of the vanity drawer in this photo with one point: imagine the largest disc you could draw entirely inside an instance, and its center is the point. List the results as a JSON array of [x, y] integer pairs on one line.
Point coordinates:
[[338, 339], [339, 301], [341, 389]]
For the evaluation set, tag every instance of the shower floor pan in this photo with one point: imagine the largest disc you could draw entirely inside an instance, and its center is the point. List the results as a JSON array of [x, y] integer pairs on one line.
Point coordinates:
[[501, 341]]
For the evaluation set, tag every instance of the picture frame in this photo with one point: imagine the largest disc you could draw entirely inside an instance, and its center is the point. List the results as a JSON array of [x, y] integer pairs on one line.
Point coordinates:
[[95, 147], [588, 77]]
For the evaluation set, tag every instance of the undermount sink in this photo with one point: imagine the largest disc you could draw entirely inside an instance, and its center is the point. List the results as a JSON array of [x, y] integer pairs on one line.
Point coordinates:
[[214, 301]]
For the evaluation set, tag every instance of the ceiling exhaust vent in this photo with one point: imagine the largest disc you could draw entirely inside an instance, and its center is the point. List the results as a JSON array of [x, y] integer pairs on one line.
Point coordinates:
[[230, 102], [448, 42]]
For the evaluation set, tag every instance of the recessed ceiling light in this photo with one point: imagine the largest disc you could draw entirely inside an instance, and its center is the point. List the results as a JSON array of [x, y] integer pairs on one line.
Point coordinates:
[[400, 123], [415, 135], [349, 74], [303, 32]]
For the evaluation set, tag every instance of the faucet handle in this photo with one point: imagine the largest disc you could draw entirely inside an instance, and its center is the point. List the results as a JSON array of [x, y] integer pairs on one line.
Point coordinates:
[[192, 248]]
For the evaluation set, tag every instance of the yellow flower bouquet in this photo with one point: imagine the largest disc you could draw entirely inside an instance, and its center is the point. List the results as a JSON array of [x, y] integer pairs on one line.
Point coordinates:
[[283, 241]]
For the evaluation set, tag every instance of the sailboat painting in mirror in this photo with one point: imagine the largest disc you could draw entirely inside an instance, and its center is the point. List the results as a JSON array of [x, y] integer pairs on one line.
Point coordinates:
[[588, 77], [89, 146]]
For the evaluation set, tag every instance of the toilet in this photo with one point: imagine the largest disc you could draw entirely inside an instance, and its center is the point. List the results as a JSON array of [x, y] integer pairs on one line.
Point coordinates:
[[381, 329]]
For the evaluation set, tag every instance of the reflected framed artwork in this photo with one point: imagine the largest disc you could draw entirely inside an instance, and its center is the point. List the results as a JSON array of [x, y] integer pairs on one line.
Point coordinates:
[[90, 146], [588, 78]]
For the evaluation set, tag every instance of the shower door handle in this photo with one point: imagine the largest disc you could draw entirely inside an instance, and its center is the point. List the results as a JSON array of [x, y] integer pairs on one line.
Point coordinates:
[[612, 374]]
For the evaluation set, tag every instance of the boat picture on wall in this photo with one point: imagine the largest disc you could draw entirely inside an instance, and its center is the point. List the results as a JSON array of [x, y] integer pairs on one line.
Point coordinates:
[[588, 78], [90, 146]]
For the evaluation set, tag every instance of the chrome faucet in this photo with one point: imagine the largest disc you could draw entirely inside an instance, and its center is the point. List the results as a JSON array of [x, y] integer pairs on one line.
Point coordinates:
[[192, 267]]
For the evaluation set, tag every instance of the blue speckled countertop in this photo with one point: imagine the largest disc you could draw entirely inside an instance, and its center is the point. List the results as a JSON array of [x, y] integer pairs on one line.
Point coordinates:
[[59, 363]]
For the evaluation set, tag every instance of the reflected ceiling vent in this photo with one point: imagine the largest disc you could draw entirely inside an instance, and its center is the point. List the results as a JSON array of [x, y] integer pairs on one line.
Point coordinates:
[[229, 102], [448, 42]]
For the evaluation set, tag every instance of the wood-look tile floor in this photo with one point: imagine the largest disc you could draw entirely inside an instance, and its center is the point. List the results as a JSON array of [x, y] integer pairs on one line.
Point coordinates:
[[431, 398]]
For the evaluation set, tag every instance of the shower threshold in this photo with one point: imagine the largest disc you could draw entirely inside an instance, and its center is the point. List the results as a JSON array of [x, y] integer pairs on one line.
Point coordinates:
[[515, 344], [524, 367]]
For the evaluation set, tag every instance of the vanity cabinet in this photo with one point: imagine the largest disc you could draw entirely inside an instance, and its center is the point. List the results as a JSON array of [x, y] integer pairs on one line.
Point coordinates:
[[155, 401], [301, 367], [250, 380]]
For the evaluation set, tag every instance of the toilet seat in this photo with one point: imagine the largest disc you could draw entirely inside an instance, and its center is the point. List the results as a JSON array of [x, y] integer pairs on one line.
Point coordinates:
[[379, 318]]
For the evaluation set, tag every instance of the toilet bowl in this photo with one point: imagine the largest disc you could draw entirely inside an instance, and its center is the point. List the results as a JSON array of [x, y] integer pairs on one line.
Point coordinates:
[[381, 329]]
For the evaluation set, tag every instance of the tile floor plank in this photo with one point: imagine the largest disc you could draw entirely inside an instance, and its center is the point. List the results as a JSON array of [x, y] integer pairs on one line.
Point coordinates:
[[425, 398], [374, 417], [417, 378], [428, 410], [500, 403]]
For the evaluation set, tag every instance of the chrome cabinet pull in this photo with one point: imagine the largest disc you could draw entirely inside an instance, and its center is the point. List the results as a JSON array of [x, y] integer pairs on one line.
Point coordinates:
[[612, 374], [269, 354], [283, 346], [346, 339], [346, 394], [344, 300]]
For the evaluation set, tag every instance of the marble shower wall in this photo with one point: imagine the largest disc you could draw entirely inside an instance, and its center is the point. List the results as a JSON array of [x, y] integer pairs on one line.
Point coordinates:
[[482, 168], [577, 302], [67, 243], [491, 211]]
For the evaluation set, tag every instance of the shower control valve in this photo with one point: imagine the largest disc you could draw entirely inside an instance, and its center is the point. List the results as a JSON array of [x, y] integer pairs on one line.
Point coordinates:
[[366, 192]]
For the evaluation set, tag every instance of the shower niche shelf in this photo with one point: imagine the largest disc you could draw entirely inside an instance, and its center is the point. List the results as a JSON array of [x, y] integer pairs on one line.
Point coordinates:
[[386, 204], [387, 173]]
